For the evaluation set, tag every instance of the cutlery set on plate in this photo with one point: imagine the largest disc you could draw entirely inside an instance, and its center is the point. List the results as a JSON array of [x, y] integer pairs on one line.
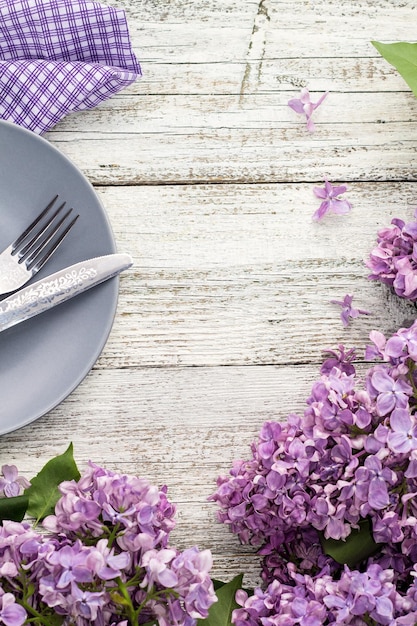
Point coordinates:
[[25, 256]]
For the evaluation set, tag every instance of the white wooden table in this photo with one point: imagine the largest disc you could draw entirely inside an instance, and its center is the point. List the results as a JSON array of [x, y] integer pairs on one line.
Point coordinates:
[[207, 177]]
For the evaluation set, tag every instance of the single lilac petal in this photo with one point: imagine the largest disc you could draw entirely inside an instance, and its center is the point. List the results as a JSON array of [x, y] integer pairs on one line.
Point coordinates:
[[328, 187], [336, 190], [399, 442], [299, 607], [411, 471], [344, 316], [384, 608], [373, 463], [65, 579], [320, 192], [378, 493], [333, 601], [394, 347], [341, 207], [378, 339], [296, 105], [382, 381], [305, 96], [410, 284], [11, 489], [411, 228], [320, 100], [321, 211], [167, 578], [311, 127], [400, 420], [385, 403]]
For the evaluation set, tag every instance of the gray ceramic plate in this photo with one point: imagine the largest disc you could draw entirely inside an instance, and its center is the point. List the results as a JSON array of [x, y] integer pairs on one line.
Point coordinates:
[[43, 359]]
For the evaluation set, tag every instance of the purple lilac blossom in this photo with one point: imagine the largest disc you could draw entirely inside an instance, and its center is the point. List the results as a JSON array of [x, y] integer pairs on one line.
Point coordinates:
[[331, 202], [348, 311], [304, 106], [101, 498], [108, 541], [394, 259], [351, 456]]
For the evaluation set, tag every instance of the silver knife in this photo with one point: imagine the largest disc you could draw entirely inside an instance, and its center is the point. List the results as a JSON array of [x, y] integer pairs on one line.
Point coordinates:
[[60, 287]]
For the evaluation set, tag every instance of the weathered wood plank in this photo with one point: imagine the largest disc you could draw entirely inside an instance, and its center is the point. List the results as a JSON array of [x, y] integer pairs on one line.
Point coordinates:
[[182, 115], [236, 29], [344, 75], [268, 153]]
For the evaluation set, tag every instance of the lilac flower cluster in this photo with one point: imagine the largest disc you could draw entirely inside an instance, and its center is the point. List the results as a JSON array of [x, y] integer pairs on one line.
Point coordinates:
[[347, 467], [105, 560], [394, 260]]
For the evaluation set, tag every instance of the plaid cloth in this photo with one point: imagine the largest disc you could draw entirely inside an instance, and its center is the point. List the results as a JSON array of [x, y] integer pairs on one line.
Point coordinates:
[[59, 56]]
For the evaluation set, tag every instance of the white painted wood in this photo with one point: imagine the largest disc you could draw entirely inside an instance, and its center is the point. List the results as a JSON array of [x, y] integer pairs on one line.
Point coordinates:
[[207, 177], [215, 139]]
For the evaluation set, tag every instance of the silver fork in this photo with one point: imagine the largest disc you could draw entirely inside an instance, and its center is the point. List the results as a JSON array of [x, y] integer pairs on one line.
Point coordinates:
[[25, 256]]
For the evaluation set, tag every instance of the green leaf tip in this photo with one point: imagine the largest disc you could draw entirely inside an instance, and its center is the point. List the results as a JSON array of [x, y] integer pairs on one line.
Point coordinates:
[[403, 56], [43, 492]]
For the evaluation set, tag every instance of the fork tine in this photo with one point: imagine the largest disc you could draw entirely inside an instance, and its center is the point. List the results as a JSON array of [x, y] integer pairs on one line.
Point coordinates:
[[49, 244], [33, 225], [42, 235], [38, 241], [29, 252]]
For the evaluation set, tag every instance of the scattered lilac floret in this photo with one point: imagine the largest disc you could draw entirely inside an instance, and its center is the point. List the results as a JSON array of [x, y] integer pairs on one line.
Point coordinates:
[[11, 484], [304, 106], [331, 201], [348, 311]]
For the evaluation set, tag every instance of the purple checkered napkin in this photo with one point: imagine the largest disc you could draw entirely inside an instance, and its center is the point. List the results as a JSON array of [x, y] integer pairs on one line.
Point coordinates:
[[59, 56]]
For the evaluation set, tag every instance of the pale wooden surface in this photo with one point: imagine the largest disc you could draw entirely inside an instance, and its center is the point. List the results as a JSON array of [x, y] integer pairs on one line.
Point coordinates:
[[207, 178]]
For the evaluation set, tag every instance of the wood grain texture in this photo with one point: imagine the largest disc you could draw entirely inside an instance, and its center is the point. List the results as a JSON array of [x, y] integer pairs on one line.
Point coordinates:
[[207, 178]]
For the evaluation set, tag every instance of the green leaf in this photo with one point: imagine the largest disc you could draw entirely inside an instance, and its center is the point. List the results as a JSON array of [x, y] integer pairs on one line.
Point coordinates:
[[220, 613], [13, 508], [359, 545], [43, 492], [217, 583], [403, 56]]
